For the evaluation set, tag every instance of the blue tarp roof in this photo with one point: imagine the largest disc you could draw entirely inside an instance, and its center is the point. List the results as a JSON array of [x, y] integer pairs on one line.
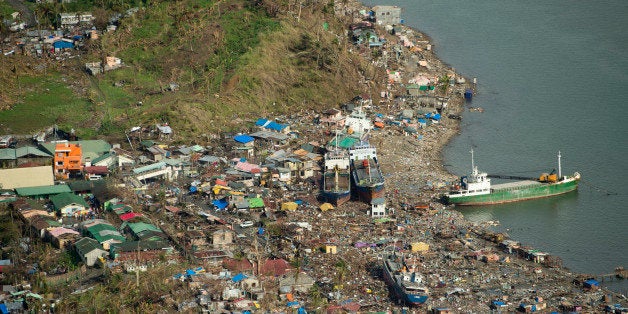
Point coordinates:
[[293, 303], [592, 282], [221, 203], [299, 202], [61, 44], [261, 122], [276, 126], [3, 309], [239, 277], [243, 138]]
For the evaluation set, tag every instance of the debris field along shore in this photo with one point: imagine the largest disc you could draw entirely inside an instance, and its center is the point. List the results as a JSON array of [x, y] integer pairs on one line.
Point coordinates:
[[255, 235]]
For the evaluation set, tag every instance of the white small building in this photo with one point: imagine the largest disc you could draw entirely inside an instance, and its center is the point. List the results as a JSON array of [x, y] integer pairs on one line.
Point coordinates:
[[387, 14], [378, 207], [71, 19]]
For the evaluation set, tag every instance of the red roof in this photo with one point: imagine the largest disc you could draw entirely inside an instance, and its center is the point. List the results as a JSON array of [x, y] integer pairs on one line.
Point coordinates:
[[173, 209], [97, 169], [129, 216], [235, 265], [275, 267]]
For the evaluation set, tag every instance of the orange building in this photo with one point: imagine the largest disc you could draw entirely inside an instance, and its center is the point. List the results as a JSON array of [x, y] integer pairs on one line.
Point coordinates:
[[67, 160]]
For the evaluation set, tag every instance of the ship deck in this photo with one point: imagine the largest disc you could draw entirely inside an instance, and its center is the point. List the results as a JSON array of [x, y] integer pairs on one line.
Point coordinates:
[[514, 185], [375, 176]]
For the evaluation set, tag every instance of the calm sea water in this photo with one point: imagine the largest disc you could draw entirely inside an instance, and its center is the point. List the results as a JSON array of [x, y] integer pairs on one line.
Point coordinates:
[[552, 75]]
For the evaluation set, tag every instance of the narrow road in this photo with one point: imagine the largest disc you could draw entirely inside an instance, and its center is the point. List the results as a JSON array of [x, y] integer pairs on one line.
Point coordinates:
[[27, 15]]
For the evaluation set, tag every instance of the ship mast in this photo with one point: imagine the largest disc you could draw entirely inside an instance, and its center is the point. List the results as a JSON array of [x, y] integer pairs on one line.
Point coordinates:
[[336, 178], [472, 163], [559, 170]]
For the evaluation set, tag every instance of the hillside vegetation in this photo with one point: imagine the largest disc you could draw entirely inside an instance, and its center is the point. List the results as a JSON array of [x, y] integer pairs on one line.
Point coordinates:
[[229, 59]]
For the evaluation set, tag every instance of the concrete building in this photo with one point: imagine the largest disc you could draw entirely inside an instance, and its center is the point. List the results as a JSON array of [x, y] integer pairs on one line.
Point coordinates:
[[387, 14]]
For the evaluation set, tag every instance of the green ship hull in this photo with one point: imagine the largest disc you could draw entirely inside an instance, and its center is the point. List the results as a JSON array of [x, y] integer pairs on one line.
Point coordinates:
[[515, 193]]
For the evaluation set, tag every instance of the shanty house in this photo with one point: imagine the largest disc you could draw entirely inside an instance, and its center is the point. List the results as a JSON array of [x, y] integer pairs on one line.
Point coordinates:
[[103, 232], [89, 250], [293, 282], [14, 157], [62, 237], [222, 239], [70, 204]]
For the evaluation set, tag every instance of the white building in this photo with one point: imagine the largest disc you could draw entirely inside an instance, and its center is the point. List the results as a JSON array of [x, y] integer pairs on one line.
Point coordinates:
[[378, 207], [387, 14]]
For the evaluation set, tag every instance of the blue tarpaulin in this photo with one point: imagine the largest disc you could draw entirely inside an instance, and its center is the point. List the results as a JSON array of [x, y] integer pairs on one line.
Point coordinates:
[[62, 44], [302, 311], [239, 277], [221, 203], [260, 231], [243, 138], [299, 202], [293, 303], [193, 189], [591, 282], [275, 126]]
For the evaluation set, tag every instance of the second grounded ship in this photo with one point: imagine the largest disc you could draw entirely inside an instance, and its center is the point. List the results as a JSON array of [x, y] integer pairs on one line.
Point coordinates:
[[476, 188], [405, 282], [337, 177], [367, 178]]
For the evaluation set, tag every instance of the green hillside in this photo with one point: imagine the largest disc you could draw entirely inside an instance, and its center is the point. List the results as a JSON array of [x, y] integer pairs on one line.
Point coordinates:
[[229, 59]]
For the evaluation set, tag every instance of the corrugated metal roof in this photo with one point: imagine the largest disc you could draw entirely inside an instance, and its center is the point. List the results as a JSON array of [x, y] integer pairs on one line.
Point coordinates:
[[7, 154], [64, 199], [43, 190], [151, 167], [86, 245], [30, 150]]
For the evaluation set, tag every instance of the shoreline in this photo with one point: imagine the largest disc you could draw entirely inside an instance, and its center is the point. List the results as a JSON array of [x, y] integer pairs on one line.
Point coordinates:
[[415, 170]]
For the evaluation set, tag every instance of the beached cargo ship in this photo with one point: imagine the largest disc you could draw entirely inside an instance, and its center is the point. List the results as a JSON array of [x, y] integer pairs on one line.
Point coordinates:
[[337, 177], [368, 181], [404, 281], [476, 188]]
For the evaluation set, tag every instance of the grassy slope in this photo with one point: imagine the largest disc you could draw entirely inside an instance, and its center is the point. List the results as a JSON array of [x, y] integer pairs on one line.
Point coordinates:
[[230, 58]]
